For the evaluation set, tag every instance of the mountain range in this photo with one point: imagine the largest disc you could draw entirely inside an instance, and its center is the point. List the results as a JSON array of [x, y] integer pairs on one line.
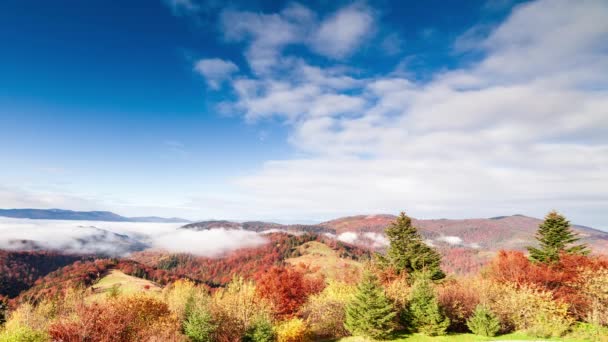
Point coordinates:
[[503, 232], [473, 236], [61, 214]]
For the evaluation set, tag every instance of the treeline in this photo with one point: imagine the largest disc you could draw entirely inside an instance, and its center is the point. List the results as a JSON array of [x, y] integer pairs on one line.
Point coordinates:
[[247, 262], [19, 270], [558, 290], [82, 274]]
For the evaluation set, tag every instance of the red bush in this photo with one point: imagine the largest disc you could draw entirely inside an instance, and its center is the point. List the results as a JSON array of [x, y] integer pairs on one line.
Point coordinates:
[[561, 279], [287, 289], [120, 320]]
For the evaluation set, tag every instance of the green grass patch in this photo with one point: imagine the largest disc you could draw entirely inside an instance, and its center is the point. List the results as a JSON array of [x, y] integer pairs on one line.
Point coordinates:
[[460, 338], [321, 258], [116, 281]]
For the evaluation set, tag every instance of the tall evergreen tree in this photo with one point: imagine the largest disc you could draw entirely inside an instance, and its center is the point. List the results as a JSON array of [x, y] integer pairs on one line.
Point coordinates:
[[483, 322], [199, 326], [424, 313], [554, 237], [408, 252], [370, 313]]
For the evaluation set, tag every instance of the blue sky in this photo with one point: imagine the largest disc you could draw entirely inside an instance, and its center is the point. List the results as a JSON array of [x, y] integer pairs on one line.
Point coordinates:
[[305, 111]]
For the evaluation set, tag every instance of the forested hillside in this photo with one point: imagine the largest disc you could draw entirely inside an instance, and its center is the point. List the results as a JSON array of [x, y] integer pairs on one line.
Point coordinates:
[[314, 287]]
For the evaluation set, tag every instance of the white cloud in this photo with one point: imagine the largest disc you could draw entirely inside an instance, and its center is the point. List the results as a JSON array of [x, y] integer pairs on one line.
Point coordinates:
[[267, 34], [374, 240], [118, 238], [378, 240], [524, 129], [215, 70], [452, 240], [19, 197], [348, 237], [182, 7], [339, 35]]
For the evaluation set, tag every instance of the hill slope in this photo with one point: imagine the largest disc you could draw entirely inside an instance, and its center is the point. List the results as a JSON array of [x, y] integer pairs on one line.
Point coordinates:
[[124, 283], [487, 234], [505, 232]]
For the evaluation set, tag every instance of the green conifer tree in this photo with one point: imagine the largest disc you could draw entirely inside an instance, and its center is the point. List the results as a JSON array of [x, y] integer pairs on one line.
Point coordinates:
[[370, 314], [424, 313], [199, 326], [408, 252], [554, 237], [260, 331], [483, 322]]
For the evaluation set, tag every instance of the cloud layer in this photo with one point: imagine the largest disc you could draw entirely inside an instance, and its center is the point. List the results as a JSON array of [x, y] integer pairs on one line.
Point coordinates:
[[119, 238]]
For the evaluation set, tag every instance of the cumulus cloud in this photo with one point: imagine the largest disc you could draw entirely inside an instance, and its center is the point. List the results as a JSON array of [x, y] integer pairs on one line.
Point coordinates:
[[266, 34], [340, 34], [215, 71], [120, 238], [522, 129]]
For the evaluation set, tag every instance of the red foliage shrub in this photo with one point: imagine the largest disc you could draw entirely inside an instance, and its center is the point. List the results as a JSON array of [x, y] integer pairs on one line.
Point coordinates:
[[459, 299], [120, 320], [560, 279], [287, 289]]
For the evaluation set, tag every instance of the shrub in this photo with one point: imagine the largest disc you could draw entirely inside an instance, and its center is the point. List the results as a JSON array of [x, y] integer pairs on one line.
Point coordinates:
[[29, 323], [198, 324], [235, 309], [459, 298], [137, 318], [562, 279], [293, 330], [589, 332], [326, 312], [424, 313], [179, 294], [287, 290], [23, 334], [593, 284], [484, 322], [34, 318], [261, 331], [398, 290], [532, 310], [114, 291]]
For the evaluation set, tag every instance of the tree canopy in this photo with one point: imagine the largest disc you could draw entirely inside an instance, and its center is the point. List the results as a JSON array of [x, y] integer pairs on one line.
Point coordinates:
[[370, 314], [555, 237], [408, 252]]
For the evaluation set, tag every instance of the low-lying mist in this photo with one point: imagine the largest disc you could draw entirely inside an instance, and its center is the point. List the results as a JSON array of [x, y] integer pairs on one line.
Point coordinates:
[[120, 238]]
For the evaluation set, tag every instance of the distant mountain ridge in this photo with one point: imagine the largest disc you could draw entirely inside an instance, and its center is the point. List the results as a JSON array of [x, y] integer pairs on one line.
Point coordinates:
[[492, 234], [257, 226], [61, 214]]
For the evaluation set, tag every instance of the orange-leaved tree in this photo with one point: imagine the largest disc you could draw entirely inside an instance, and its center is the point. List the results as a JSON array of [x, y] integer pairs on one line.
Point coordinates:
[[287, 289]]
